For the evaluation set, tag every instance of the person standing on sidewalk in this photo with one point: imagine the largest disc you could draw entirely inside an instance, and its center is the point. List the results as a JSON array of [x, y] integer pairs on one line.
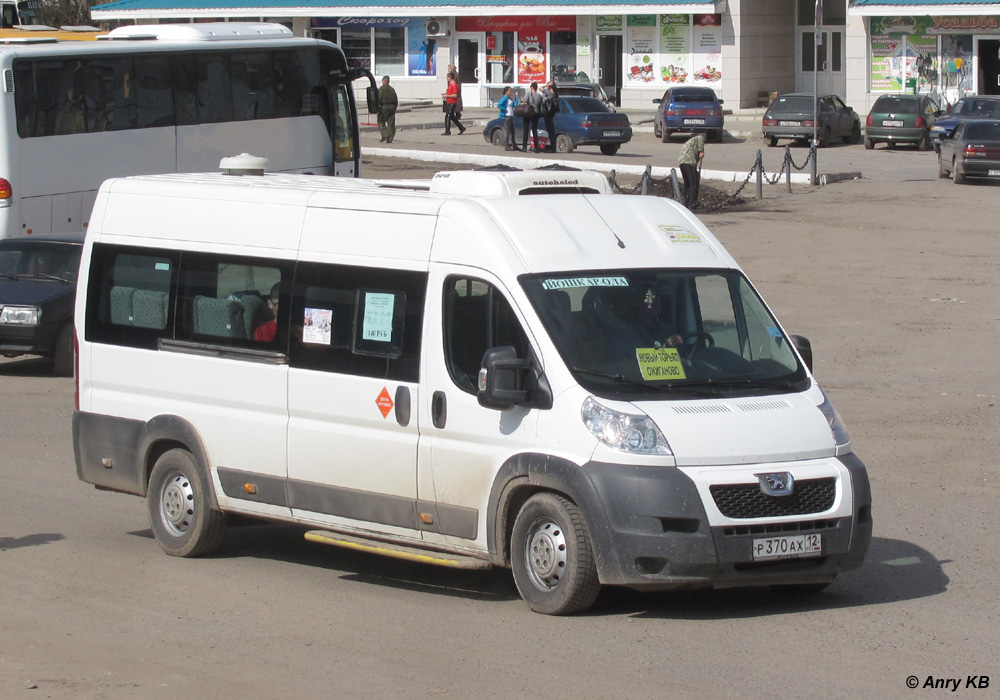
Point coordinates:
[[388, 102], [692, 153], [534, 100], [550, 105], [451, 107], [506, 105]]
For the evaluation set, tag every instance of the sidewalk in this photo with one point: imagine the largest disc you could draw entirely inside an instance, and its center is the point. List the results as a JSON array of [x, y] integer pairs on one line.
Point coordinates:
[[419, 137]]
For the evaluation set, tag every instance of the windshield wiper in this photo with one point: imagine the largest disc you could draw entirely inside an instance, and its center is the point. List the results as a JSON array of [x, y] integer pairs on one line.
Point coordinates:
[[8, 275], [617, 378], [47, 276]]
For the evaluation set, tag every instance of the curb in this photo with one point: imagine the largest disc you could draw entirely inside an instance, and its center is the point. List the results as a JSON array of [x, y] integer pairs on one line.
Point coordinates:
[[483, 160]]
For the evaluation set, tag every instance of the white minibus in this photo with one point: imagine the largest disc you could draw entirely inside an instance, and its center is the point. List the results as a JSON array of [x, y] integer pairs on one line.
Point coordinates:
[[159, 99], [490, 368]]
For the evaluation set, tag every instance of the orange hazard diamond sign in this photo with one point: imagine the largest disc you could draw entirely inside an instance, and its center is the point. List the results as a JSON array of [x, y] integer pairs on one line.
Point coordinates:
[[384, 402]]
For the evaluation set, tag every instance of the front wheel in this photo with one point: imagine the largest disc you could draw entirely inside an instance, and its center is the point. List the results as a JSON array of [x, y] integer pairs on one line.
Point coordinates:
[[497, 138], [564, 144], [62, 352], [552, 558], [180, 510], [609, 149]]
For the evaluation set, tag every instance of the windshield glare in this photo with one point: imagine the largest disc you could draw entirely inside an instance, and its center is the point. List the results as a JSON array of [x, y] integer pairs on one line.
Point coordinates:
[[39, 258], [633, 333]]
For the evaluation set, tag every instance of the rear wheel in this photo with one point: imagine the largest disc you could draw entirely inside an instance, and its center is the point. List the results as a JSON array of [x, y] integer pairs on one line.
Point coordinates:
[[772, 141], [824, 138], [869, 144], [664, 135], [656, 130], [855, 135], [180, 509], [958, 177], [496, 138], [62, 352], [552, 558], [609, 149], [925, 143], [717, 135], [564, 144]]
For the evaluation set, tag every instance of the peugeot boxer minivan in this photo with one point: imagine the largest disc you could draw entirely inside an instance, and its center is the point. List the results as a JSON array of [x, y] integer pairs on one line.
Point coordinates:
[[487, 369]]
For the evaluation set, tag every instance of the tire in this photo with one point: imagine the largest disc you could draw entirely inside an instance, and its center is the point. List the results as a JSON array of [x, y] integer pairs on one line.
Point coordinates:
[[564, 144], [496, 138], [62, 352], [664, 135], [609, 149], [855, 135], [824, 139], [552, 558], [942, 171], [180, 510], [772, 141], [657, 132], [958, 177], [717, 135], [869, 144], [924, 144]]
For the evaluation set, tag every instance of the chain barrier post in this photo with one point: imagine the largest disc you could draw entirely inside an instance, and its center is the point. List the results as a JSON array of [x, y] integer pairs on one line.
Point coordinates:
[[759, 167], [814, 175], [645, 179], [788, 167], [676, 184]]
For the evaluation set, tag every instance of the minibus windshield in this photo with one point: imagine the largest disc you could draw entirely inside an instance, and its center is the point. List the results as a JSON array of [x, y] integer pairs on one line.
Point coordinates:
[[670, 333]]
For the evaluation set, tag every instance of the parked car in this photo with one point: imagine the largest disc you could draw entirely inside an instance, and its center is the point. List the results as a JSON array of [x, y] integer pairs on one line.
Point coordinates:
[[37, 293], [688, 110], [977, 107], [585, 90], [580, 121], [972, 150], [791, 117], [901, 119]]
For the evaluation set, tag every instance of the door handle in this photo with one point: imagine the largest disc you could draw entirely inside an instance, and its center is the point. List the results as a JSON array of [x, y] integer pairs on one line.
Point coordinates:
[[439, 409], [403, 405]]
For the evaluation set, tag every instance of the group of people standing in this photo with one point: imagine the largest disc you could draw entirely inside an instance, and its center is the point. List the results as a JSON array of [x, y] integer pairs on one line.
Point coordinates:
[[537, 104]]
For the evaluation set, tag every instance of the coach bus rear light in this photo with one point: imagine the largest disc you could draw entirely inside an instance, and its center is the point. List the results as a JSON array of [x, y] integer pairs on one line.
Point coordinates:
[[6, 193]]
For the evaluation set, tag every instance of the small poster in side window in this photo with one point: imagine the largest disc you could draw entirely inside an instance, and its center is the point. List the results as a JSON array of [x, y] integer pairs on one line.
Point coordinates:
[[316, 326]]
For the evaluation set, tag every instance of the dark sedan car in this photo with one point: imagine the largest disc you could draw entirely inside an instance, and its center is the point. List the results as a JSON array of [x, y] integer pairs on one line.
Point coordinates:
[[976, 107], [901, 119], [580, 121], [972, 150], [791, 117], [37, 292], [688, 110]]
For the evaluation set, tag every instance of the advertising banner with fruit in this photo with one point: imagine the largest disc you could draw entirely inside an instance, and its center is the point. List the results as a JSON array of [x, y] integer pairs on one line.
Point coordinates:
[[643, 50], [675, 49], [706, 50]]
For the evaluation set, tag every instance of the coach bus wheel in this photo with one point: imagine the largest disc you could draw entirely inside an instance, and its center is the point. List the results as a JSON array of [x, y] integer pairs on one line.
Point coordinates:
[[180, 511]]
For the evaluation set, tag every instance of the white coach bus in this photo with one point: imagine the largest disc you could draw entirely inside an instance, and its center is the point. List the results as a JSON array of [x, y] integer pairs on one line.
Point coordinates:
[[160, 99]]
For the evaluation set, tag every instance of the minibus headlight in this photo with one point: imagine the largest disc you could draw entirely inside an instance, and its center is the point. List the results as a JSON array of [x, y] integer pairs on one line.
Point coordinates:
[[837, 427], [626, 432], [20, 315]]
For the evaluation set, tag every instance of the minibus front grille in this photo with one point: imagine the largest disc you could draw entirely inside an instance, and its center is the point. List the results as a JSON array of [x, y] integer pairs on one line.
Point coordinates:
[[748, 501]]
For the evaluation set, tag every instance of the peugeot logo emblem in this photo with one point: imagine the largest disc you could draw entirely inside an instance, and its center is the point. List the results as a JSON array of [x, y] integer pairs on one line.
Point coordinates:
[[776, 483]]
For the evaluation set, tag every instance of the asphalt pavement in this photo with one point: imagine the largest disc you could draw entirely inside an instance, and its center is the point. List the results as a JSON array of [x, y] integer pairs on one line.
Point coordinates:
[[419, 137]]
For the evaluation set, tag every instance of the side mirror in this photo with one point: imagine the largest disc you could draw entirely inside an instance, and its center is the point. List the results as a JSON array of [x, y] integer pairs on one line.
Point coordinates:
[[371, 96], [722, 102], [804, 347], [501, 384], [656, 101]]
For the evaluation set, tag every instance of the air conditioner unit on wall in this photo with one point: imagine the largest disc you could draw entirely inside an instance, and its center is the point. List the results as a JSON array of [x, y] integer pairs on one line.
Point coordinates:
[[437, 27]]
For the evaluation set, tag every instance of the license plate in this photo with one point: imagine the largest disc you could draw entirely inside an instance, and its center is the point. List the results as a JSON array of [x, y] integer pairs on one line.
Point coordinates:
[[788, 123], [891, 122], [612, 133], [788, 547], [694, 121], [993, 173]]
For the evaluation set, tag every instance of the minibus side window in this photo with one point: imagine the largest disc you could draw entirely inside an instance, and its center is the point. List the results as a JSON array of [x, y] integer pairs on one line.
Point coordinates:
[[357, 320], [477, 317], [129, 297], [233, 301]]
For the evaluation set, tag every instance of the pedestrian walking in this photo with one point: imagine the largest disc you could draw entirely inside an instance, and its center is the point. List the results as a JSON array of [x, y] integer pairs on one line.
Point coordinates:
[[533, 99], [453, 69], [388, 102], [550, 105], [451, 107], [692, 153], [506, 105]]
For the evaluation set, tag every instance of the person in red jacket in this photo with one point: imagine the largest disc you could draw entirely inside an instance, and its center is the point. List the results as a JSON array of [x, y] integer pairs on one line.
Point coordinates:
[[451, 106]]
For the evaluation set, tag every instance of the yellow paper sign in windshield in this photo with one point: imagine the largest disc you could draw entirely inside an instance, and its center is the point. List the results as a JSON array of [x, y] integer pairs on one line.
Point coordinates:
[[657, 364]]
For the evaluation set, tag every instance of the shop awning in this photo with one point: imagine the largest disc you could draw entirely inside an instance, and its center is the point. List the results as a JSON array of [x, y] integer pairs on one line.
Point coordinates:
[[177, 9], [882, 8]]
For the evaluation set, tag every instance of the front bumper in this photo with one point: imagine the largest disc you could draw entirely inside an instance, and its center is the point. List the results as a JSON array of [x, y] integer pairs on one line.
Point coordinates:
[[655, 533]]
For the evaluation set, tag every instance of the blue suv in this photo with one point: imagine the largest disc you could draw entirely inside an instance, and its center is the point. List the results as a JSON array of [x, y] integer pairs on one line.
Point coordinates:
[[689, 110]]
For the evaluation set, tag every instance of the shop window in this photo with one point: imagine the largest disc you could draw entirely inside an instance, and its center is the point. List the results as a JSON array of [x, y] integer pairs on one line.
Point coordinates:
[[390, 51], [562, 56], [834, 13], [500, 59], [357, 46]]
